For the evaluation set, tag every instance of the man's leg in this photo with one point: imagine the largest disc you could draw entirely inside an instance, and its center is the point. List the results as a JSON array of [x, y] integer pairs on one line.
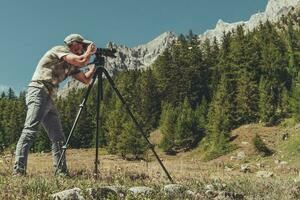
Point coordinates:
[[36, 101], [52, 124]]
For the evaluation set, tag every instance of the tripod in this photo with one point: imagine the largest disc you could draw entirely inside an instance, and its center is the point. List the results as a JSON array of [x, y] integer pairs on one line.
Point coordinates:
[[100, 70]]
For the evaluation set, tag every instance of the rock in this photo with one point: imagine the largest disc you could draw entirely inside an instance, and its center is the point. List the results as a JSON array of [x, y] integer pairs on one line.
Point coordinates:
[[227, 169], [141, 190], [245, 168], [233, 158], [264, 174], [174, 189], [71, 194], [106, 192], [223, 195], [285, 136], [279, 162], [283, 163], [209, 187], [211, 194], [245, 143], [241, 155], [260, 165], [191, 193]]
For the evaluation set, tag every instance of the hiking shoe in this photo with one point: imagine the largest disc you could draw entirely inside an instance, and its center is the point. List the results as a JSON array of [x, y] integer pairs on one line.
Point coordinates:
[[18, 174]]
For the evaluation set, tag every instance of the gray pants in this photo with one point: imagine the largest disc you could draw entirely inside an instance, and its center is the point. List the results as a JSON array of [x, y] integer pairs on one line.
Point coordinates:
[[41, 109]]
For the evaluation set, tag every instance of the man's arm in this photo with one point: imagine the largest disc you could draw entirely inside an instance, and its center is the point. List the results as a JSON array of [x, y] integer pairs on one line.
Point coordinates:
[[85, 77], [80, 60]]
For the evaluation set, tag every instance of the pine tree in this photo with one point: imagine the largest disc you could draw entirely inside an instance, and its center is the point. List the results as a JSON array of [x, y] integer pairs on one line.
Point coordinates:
[[149, 108], [167, 128], [186, 133], [267, 101], [245, 56], [295, 99]]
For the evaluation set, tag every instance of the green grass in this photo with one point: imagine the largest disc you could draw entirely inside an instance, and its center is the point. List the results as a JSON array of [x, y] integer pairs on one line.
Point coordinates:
[[40, 187]]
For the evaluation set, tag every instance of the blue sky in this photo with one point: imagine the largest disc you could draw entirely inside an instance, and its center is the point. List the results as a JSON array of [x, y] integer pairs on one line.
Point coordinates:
[[29, 28]]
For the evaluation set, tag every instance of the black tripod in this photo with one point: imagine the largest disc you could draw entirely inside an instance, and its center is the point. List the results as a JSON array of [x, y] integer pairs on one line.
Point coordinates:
[[100, 70]]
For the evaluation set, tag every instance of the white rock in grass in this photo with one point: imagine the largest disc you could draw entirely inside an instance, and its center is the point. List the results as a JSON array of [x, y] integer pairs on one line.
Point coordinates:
[[245, 168], [241, 155], [106, 191], [174, 189], [141, 190], [264, 174], [73, 194]]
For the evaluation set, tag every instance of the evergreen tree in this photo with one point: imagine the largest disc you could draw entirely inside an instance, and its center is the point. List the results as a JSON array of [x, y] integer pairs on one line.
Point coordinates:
[[167, 128]]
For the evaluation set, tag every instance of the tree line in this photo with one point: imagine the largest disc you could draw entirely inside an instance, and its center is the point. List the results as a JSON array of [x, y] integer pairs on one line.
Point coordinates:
[[195, 93]]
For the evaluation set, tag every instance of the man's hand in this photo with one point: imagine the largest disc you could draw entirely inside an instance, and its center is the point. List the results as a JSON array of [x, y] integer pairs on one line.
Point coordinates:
[[91, 49]]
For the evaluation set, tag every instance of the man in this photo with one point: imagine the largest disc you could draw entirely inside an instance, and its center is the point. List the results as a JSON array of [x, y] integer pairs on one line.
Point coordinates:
[[58, 63]]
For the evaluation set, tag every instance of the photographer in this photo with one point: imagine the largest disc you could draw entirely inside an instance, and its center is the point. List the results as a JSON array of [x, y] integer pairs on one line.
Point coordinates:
[[54, 67]]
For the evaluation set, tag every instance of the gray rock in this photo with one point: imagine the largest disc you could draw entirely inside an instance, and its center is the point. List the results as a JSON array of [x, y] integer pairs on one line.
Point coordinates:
[[190, 193], [233, 158], [285, 136], [209, 187], [260, 165], [106, 191], [174, 189], [228, 169], [245, 168], [211, 193], [71, 194], [241, 155], [264, 174], [141, 190], [223, 195]]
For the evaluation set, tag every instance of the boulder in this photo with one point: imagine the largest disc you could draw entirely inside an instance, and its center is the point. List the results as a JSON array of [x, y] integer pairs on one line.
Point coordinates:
[[174, 189], [107, 192], [245, 168], [141, 190], [223, 195], [71, 194], [264, 174]]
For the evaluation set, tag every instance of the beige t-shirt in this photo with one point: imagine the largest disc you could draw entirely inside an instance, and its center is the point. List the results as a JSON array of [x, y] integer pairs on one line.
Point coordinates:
[[53, 69]]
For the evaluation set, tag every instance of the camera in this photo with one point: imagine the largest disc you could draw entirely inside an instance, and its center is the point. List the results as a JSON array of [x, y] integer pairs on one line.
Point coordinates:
[[105, 52]]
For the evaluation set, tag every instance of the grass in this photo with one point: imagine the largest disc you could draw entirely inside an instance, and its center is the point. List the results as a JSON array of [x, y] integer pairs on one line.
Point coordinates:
[[186, 168]]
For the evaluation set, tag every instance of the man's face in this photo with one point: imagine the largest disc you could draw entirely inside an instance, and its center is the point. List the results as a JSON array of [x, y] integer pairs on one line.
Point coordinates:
[[77, 48]]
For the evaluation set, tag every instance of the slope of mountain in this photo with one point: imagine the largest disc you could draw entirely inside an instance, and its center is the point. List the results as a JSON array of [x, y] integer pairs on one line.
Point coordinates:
[[274, 10]]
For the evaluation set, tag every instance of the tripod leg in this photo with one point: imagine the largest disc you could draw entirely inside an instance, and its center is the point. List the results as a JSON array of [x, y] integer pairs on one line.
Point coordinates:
[[99, 98], [64, 148], [136, 123]]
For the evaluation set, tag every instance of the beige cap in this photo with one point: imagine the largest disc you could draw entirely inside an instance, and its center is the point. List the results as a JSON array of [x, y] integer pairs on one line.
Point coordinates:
[[76, 38]]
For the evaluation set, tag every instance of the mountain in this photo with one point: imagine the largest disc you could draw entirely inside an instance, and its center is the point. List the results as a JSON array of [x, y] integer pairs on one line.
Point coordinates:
[[274, 10]]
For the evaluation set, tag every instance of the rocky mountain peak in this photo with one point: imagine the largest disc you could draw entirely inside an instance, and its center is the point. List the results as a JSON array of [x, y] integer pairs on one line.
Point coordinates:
[[274, 10], [276, 6]]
